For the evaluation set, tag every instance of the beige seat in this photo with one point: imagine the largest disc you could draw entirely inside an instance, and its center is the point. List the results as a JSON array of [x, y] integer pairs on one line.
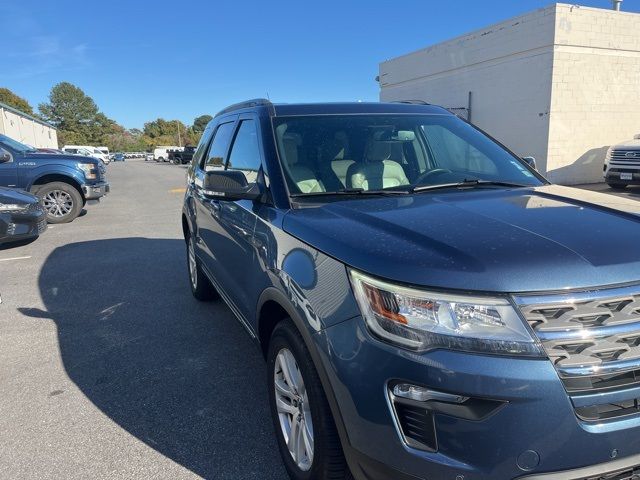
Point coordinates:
[[302, 175], [379, 171], [340, 167]]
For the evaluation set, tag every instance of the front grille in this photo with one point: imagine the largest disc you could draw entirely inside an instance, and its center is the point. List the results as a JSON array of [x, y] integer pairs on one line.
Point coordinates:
[[631, 473], [620, 155], [34, 207], [593, 340]]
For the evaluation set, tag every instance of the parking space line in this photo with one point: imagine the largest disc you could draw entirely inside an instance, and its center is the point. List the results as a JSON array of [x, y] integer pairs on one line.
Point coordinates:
[[13, 258], [177, 190]]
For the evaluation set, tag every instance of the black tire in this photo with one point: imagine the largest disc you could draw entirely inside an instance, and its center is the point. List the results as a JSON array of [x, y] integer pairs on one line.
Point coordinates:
[[617, 186], [201, 286], [328, 458], [48, 191], [176, 161]]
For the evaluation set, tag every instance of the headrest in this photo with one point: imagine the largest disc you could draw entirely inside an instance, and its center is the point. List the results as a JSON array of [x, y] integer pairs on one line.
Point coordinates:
[[385, 150], [290, 142]]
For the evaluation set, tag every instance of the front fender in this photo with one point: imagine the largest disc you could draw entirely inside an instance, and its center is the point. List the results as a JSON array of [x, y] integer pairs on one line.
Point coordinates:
[[35, 174]]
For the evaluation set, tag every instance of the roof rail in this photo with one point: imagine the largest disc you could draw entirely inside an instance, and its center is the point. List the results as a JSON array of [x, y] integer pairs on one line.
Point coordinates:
[[412, 102], [256, 102]]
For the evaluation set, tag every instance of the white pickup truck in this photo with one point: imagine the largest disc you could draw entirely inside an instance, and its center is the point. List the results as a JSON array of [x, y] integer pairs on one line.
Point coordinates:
[[622, 164]]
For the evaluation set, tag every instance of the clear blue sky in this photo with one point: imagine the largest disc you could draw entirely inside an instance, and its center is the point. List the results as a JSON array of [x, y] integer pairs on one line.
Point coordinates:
[[141, 60]]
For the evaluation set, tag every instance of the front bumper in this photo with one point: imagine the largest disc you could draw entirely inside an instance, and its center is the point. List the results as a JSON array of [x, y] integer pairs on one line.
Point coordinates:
[[622, 175], [96, 190], [15, 227], [535, 430]]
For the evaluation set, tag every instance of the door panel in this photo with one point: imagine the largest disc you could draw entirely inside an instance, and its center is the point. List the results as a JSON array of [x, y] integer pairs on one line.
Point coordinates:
[[211, 236]]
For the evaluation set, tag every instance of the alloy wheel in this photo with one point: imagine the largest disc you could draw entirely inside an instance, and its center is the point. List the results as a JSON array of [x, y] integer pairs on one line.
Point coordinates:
[[294, 414], [57, 203]]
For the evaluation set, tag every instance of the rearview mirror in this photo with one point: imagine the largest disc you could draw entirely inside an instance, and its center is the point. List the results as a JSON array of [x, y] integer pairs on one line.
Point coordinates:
[[5, 156], [530, 161], [229, 185]]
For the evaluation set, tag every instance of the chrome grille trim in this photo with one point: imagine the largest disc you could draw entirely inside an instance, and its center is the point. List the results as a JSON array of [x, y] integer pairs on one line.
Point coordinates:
[[587, 333], [593, 340]]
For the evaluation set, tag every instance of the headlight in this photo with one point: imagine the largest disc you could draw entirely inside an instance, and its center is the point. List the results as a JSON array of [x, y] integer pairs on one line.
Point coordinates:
[[14, 207], [89, 170], [422, 320]]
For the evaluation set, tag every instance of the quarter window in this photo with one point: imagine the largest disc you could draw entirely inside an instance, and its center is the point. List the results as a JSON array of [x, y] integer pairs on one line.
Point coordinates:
[[218, 149], [245, 154]]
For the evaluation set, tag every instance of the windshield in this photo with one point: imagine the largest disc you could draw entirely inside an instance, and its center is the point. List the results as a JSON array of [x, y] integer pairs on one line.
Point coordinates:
[[390, 152], [15, 145]]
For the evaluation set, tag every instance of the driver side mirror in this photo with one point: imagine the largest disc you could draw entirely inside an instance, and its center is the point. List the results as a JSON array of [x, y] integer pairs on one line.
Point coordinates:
[[5, 156], [229, 185], [530, 161]]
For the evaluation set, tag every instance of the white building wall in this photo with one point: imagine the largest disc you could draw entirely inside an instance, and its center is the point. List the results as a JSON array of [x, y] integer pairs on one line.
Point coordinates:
[[27, 130], [595, 99], [506, 66], [561, 84]]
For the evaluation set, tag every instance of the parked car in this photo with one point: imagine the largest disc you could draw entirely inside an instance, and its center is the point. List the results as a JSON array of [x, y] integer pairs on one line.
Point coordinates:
[[50, 150], [119, 157], [64, 183], [148, 157], [181, 157], [22, 218], [622, 164], [87, 150], [428, 305]]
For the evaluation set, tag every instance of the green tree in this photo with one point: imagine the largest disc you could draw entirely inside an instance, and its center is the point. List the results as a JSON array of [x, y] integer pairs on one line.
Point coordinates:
[[9, 98], [166, 132], [200, 123], [77, 117]]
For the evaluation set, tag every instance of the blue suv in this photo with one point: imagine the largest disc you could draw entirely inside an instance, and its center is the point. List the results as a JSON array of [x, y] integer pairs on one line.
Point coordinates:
[[428, 305]]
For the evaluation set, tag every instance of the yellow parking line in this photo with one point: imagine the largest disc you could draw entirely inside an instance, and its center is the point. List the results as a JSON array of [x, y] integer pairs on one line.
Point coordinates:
[[177, 190]]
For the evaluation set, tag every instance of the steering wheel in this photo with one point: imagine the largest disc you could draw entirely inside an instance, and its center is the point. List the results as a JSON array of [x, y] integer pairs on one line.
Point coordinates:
[[432, 173]]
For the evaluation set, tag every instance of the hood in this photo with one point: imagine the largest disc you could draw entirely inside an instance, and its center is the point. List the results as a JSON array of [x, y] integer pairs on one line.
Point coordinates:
[[517, 240], [9, 195], [630, 144], [64, 158]]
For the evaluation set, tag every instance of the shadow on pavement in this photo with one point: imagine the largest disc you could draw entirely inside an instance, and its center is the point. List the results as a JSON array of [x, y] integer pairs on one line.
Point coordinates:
[[181, 376]]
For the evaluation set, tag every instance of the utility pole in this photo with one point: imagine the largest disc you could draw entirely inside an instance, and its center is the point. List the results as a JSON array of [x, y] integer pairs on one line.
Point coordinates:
[[179, 139]]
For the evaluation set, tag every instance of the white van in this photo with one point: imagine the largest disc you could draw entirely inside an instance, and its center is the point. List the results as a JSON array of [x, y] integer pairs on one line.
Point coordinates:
[[105, 151], [86, 150], [160, 153]]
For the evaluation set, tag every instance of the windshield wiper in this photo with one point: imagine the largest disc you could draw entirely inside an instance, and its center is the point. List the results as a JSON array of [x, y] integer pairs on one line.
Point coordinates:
[[467, 183], [351, 191]]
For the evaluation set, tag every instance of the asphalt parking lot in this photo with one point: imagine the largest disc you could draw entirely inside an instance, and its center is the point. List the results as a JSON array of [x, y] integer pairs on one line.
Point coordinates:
[[108, 367]]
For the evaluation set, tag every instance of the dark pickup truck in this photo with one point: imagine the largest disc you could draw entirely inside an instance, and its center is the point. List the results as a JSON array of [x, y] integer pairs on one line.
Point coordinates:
[[180, 157], [64, 183]]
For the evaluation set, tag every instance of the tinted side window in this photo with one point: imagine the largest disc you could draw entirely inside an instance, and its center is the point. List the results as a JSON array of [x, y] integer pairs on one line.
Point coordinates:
[[202, 147], [215, 157], [455, 153], [245, 153]]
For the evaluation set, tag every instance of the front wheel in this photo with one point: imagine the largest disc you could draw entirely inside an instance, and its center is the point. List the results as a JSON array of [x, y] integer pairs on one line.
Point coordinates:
[[306, 432], [61, 202]]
